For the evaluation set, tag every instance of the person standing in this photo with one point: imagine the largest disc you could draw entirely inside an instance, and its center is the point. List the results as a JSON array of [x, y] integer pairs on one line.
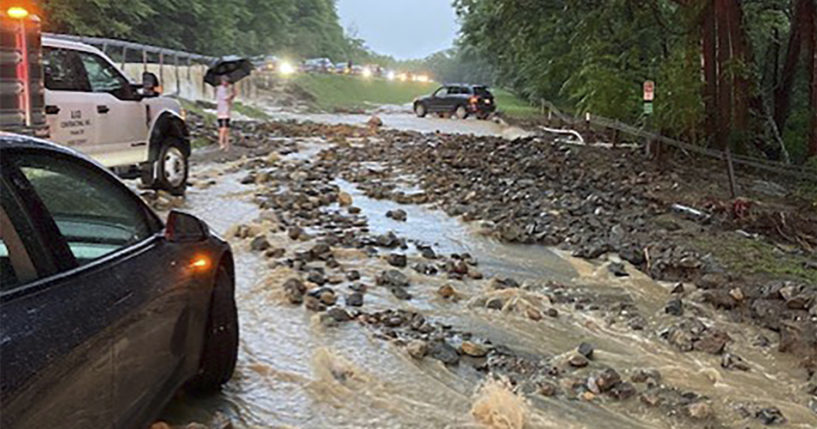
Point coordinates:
[[225, 94]]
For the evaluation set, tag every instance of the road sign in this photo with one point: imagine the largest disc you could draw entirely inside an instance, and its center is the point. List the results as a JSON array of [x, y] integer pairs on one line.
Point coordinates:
[[648, 107], [649, 90]]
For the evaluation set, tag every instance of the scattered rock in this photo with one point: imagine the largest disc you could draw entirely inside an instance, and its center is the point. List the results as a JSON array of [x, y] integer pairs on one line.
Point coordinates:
[[533, 314], [622, 391], [392, 278], [495, 303], [720, 298], [396, 260], [259, 244], [444, 352], [314, 304], [425, 268], [736, 293], [339, 314], [552, 312], [731, 361], [699, 410], [417, 348], [618, 270], [770, 416], [354, 299], [275, 253], [674, 307], [398, 215], [400, 293], [295, 232], [447, 291], [578, 361], [548, 389], [473, 349], [344, 199], [712, 341], [586, 350], [294, 290]]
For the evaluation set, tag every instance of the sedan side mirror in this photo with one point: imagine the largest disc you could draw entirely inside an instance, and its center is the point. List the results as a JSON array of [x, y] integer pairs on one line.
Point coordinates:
[[150, 84], [185, 228]]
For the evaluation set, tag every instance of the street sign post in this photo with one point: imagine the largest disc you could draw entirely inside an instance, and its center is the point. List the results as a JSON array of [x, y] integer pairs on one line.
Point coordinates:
[[649, 90], [649, 96]]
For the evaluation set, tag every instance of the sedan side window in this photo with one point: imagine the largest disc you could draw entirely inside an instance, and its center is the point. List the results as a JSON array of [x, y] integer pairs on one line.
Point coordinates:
[[94, 214], [16, 266]]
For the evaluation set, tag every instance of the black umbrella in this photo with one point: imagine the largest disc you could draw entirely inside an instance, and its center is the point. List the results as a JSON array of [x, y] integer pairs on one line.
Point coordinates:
[[232, 66]]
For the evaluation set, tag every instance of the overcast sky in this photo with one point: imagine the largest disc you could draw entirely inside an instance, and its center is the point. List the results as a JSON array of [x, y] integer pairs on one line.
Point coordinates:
[[404, 29]]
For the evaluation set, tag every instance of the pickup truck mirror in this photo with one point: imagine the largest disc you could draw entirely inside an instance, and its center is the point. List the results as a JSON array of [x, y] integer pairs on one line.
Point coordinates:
[[150, 84]]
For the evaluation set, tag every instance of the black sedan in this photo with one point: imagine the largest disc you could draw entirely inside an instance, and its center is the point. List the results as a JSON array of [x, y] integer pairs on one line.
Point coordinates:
[[105, 311], [460, 100]]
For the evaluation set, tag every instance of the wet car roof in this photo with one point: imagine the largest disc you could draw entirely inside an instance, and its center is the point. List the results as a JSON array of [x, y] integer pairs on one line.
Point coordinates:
[[18, 141]]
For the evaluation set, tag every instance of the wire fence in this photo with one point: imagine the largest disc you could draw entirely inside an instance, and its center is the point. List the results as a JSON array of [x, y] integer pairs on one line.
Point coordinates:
[[776, 167]]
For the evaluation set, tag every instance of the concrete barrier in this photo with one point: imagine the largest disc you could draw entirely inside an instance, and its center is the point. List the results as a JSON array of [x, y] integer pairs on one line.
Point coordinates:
[[188, 81]]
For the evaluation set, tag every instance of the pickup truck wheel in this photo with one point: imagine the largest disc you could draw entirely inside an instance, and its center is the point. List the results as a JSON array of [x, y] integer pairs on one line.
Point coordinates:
[[220, 351], [172, 167], [420, 110], [461, 112]]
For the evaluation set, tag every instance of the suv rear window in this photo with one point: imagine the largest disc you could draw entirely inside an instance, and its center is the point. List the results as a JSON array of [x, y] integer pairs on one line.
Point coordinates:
[[482, 91]]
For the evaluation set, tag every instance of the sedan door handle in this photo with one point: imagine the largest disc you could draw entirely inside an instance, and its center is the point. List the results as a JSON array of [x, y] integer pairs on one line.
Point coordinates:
[[52, 110], [103, 109]]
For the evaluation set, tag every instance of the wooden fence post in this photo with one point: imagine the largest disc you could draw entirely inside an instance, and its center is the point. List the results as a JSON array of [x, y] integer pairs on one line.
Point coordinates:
[[730, 169]]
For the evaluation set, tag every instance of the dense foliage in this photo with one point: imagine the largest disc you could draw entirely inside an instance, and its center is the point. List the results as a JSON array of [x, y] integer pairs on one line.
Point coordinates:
[[726, 71], [305, 28]]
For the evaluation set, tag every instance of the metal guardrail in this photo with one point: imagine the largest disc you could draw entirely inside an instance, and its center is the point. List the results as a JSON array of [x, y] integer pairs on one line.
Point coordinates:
[[776, 167], [126, 46]]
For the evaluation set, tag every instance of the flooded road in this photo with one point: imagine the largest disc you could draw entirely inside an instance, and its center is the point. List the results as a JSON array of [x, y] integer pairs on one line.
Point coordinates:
[[297, 370], [403, 119]]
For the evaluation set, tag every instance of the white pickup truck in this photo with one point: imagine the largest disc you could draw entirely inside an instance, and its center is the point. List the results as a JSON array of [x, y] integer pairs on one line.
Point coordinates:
[[76, 96]]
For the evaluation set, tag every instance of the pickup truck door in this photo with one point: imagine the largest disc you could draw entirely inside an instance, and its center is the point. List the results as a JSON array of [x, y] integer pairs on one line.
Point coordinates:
[[70, 115], [121, 118]]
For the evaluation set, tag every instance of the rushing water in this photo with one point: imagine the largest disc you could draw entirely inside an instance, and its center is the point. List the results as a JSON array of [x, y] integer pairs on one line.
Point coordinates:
[[294, 372]]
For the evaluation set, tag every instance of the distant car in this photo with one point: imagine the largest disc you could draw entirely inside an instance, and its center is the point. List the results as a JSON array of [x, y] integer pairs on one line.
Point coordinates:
[[104, 310], [342, 68], [319, 65], [460, 100], [265, 62]]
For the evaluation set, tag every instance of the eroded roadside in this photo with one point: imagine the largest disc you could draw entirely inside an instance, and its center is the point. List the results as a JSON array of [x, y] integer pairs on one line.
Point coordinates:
[[385, 282]]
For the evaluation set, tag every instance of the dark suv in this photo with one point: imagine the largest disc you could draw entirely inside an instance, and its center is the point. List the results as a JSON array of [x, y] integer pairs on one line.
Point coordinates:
[[457, 99]]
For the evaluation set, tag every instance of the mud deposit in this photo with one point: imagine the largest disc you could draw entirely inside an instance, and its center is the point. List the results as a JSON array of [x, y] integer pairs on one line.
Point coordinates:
[[362, 303]]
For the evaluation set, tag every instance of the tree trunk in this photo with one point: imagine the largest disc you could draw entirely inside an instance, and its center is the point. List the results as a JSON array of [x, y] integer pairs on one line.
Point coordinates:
[[740, 60], [782, 96], [724, 85], [811, 26], [710, 89]]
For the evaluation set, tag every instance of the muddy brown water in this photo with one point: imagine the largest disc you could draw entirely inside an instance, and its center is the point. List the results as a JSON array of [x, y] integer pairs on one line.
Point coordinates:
[[294, 372]]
